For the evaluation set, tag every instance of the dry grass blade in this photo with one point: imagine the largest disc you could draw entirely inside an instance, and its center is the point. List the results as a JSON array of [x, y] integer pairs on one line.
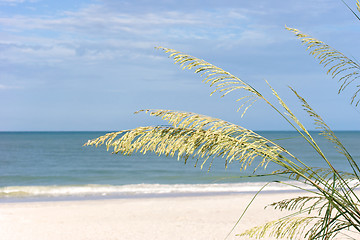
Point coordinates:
[[299, 203], [328, 133], [290, 228], [301, 227], [223, 81], [193, 135], [297, 125], [358, 8], [338, 65], [319, 175]]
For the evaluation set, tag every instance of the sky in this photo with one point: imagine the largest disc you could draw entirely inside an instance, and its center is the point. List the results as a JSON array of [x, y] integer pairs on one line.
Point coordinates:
[[88, 65]]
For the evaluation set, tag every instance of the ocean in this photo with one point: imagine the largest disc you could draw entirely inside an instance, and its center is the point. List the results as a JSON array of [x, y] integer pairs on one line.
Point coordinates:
[[56, 165]]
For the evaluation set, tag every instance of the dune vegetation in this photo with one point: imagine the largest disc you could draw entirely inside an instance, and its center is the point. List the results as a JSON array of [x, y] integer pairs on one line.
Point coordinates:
[[332, 206]]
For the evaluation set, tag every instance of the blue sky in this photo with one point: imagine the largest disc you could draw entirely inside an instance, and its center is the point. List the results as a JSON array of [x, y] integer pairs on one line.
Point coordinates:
[[88, 65]]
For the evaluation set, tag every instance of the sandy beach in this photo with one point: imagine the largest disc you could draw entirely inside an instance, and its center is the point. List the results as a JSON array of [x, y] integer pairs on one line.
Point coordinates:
[[194, 217]]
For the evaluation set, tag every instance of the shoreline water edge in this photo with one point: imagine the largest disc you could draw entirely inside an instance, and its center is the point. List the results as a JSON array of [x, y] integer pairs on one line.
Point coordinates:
[[102, 192]]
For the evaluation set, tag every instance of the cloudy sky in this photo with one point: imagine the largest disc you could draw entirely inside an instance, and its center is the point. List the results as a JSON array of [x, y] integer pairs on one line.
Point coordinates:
[[89, 64]]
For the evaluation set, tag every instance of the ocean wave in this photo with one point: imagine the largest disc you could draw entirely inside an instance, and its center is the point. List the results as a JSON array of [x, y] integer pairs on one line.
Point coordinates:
[[135, 189]]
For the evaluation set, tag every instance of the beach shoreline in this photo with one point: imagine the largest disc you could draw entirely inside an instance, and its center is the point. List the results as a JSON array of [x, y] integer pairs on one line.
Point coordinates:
[[74, 198], [103, 192], [180, 217]]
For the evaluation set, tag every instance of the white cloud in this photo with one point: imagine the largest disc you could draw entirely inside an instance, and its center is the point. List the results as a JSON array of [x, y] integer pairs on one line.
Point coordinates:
[[12, 1], [6, 87], [98, 19], [15, 2], [90, 22], [96, 33]]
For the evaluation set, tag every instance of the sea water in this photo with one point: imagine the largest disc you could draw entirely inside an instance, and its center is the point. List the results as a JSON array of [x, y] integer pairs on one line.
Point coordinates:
[[36, 165]]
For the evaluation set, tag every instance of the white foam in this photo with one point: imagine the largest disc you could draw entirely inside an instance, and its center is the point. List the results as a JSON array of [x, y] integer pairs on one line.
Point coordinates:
[[136, 189]]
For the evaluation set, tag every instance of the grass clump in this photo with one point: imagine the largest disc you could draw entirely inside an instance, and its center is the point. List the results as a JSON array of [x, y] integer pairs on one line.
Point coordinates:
[[332, 208]]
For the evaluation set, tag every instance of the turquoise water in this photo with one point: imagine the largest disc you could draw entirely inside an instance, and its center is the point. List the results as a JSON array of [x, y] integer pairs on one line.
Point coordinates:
[[52, 164]]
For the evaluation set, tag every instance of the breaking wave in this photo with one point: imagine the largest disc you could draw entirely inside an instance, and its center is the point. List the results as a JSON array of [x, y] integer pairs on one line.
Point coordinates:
[[135, 189]]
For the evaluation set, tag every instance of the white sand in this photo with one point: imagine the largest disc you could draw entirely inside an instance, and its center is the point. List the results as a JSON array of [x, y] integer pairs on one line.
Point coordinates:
[[205, 217]]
